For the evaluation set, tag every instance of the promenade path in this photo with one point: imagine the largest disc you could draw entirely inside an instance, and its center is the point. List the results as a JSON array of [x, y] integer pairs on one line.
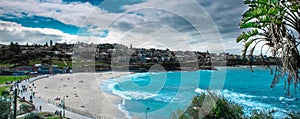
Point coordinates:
[[46, 107]]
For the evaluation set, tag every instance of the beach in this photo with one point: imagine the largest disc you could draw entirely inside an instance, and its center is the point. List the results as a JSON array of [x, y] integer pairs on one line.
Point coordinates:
[[81, 91]]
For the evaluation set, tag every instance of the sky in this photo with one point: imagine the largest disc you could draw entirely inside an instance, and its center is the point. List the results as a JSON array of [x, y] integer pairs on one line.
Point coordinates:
[[197, 25]]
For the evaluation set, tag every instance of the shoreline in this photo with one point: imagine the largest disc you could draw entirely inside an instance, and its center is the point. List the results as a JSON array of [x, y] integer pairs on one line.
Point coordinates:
[[82, 92], [114, 100]]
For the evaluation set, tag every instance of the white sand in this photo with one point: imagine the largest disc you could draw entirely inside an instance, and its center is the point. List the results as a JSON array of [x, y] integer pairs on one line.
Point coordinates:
[[90, 97]]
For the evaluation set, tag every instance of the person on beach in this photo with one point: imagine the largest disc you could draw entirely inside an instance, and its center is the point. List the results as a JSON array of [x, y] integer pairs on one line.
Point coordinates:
[[40, 108]]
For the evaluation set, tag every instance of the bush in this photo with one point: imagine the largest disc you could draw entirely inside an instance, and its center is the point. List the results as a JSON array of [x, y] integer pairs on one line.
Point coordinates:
[[211, 106], [4, 108], [261, 115], [32, 116], [26, 108], [294, 115], [5, 93]]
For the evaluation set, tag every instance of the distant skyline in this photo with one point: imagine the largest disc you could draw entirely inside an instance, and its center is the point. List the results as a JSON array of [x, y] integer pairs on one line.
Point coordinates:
[[143, 23]]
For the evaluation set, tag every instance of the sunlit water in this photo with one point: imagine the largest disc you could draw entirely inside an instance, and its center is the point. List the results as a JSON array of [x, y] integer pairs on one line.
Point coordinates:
[[166, 92]]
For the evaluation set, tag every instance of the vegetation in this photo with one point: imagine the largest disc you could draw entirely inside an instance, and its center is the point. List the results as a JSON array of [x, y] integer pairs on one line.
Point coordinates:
[[4, 108], [4, 79], [25, 108], [4, 91], [44, 115], [54, 61], [274, 24], [32, 116], [261, 115], [210, 106], [12, 55]]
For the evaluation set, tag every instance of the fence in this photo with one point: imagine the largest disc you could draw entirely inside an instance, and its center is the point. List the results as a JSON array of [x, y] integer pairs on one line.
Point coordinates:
[[81, 112]]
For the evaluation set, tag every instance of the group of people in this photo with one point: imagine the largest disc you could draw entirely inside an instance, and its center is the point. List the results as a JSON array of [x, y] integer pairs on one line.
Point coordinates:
[[22, 88]]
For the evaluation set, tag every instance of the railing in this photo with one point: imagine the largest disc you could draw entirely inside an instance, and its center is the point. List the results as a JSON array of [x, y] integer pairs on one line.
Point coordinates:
[[81, 112]]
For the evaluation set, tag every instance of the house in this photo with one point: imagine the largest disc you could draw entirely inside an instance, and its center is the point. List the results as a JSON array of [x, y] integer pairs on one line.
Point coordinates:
[[22, 70]]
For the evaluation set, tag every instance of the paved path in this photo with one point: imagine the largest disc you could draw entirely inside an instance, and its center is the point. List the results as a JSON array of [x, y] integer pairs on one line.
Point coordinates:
[[46, 107]]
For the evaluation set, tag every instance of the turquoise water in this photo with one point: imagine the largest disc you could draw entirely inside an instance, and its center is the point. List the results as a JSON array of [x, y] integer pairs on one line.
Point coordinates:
[[166, 92]]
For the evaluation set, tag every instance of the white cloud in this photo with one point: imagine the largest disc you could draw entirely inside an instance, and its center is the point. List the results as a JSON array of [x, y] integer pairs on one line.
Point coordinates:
[[11, 31], [72, 14], [132, 28]]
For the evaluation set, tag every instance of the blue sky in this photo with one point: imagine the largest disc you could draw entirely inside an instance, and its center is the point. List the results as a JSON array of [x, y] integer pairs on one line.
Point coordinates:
[[178, 25]]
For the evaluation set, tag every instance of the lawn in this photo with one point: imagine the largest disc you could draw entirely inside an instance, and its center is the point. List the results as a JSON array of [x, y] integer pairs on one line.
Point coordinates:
[[55, 61], [4, 79]]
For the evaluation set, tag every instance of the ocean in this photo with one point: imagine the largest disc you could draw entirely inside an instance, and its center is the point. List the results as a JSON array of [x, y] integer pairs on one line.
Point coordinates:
[[166, 92]]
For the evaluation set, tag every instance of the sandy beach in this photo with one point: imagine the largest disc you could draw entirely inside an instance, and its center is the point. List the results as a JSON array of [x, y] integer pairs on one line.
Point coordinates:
[[81, 91]]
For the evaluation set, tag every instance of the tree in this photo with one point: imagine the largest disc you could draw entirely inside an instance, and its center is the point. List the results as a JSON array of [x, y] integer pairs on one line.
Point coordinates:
[[51, 43], [12, 44], [46, 44], [273, 23], [15, 47]]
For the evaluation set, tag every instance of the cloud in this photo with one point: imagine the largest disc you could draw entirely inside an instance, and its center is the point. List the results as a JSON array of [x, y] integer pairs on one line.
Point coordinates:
[[201, 25], [72, 14], [11, 31], [226, 14], [41, 22]]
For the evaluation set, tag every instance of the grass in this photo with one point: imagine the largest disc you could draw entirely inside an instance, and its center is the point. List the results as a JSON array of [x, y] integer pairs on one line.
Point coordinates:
[[4, 79], [33, 62], [4, 65], [55, 61]]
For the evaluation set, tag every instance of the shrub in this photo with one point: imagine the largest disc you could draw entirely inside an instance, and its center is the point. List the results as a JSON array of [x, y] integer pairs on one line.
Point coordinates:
[[210, 106], [26, 108], [5, 93], [294, 115], [32, 116], [4, 108], [261, 115]]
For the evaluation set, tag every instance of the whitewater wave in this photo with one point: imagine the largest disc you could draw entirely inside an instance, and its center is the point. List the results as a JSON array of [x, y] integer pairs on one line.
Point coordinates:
[[287, 99], [108, 85], [138, 75], [200, 91], [122, 109], [134, 95], [137, 95]]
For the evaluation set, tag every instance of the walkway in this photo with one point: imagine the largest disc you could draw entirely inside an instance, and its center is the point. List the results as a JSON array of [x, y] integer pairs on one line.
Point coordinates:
[[46, 107]]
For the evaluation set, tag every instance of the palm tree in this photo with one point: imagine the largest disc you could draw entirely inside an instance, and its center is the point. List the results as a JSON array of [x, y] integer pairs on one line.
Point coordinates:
[[273, 23]]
